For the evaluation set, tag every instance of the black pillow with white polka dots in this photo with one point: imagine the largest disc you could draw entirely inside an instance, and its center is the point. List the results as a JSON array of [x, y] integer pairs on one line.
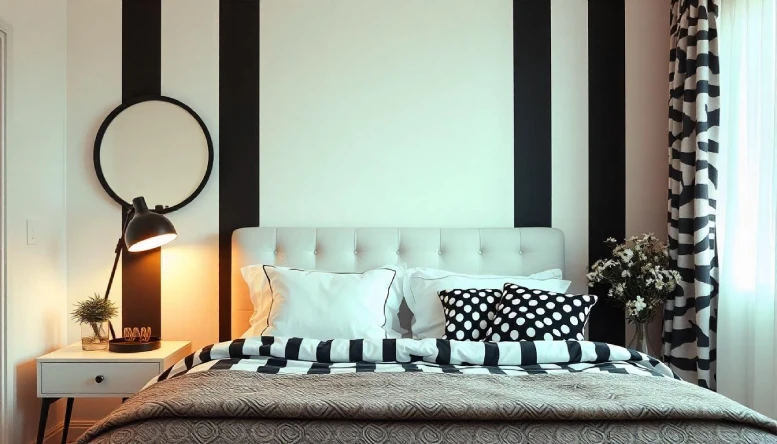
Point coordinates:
[[524, 314], [468, 313]]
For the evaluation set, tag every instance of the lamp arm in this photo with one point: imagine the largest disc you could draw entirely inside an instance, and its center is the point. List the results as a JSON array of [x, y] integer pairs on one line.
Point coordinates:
[[119, 247]]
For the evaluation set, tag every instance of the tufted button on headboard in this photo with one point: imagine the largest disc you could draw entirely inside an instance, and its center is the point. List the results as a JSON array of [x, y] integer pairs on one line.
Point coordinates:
[[507, 251]]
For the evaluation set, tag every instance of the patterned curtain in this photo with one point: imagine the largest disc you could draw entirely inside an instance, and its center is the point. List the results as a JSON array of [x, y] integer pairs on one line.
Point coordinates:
[[690, 317]]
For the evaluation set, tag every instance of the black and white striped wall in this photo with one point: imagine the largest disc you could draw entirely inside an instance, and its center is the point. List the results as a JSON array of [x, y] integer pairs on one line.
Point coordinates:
[[380, 113]]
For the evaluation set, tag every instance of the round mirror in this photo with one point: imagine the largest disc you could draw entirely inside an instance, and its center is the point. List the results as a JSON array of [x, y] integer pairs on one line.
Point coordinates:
[[155, 147]]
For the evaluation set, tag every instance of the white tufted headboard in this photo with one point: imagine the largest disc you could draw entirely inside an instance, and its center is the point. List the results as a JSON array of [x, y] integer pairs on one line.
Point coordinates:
[[504, 251]]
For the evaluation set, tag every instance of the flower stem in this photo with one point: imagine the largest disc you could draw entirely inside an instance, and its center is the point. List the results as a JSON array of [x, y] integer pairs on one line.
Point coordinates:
[[96, 329]]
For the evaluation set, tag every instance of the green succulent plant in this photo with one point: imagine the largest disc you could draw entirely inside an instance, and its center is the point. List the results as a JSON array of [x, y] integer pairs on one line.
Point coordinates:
[[94, 310]]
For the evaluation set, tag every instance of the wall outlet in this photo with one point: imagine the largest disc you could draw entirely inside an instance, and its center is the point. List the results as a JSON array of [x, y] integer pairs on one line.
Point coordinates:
[[32, 232]]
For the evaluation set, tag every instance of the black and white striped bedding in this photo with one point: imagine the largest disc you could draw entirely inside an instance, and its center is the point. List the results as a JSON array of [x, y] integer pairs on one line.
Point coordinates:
[[278, 355]]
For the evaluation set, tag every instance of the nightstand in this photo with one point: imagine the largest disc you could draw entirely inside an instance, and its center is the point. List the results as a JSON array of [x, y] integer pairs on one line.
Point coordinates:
[[71, 373]]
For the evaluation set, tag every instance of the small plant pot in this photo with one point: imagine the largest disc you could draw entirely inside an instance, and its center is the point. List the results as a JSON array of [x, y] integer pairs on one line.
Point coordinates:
[[94, 336]]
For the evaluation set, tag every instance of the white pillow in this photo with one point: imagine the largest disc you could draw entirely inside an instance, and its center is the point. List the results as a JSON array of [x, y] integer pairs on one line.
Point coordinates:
[[261, 298], [423, 284], [323, 305]]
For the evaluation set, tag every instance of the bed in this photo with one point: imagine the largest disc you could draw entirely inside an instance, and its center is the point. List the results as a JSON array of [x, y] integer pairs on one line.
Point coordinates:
[[274, 388]]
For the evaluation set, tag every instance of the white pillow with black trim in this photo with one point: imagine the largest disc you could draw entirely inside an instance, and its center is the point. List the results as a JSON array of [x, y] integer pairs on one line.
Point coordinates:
[[324, 305], [422, 286], [526, 314], [261, 298], [468, 313]]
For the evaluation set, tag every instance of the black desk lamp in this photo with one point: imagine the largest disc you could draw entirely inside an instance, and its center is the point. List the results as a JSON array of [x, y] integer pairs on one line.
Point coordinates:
[[142, 230]]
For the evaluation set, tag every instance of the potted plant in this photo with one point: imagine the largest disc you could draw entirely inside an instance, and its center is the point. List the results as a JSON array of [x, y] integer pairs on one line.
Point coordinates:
[[93, 314], [639, 278]]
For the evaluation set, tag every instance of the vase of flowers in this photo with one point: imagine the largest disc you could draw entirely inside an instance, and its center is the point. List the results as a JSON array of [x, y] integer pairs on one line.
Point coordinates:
[[93, 314], [637, 272]]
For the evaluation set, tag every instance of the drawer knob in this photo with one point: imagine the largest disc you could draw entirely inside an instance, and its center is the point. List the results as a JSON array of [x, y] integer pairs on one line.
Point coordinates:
[[99, 378]]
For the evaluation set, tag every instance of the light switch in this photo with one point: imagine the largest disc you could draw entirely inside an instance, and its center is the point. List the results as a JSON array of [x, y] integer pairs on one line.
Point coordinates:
[[32, 233]]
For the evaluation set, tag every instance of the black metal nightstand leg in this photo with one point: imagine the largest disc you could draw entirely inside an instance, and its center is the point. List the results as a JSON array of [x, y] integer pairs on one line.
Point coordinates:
[[68, 412], [45, 403]]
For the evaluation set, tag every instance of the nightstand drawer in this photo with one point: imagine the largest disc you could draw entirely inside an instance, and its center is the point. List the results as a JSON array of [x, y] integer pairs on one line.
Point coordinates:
[[60, 378]]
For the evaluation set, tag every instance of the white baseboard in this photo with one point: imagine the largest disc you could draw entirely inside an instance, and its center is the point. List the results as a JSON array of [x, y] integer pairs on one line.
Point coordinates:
[[77, 428]]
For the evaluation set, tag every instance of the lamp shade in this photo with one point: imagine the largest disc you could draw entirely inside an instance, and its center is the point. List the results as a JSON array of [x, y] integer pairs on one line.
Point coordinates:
[[147, 229]]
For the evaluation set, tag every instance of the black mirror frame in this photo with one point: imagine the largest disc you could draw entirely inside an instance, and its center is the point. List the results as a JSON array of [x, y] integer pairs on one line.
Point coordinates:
[[104, 127]]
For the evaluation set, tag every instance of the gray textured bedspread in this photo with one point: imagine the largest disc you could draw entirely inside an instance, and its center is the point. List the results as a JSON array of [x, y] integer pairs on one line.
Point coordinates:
[[247, 407]]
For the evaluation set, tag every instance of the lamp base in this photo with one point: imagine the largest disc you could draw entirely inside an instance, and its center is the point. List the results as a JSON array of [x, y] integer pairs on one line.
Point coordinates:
[[119, 345]]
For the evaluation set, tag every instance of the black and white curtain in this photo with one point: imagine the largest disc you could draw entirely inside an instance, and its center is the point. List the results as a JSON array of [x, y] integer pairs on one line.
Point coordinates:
[[690, 316]]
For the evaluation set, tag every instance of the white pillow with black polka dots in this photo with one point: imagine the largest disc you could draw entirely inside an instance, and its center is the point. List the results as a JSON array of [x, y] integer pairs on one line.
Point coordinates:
[[468, 313], [524, 314]]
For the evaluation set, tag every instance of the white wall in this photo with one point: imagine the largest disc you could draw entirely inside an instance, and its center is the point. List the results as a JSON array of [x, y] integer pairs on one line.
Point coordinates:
[[647, 89], [569, 108], [35, 190], [190, 73], [386, 113]]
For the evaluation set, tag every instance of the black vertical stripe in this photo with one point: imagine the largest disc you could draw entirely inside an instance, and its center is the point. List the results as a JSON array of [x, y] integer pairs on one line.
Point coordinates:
[[575, 352], [602, 352], [273, 365], [141, 48], [324, 351], [494, 370], [528, 353], [362, 366], [205, 353], [319, 368], [238, 136], [443, 352], [165, 374], [491, 356], [355, 350], [236, 348], [292, 348], [266, 347], [606, 150], [188, 361], [532, 113], [268, 369], [225, 364], [389, 350], [410, 368], [141, 75]]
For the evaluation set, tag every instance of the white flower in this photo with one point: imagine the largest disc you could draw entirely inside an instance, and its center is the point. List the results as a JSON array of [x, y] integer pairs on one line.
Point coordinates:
[[625, 273], [631, 309], [619, 289], [626, 255], [611, 239], [639, 304]]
